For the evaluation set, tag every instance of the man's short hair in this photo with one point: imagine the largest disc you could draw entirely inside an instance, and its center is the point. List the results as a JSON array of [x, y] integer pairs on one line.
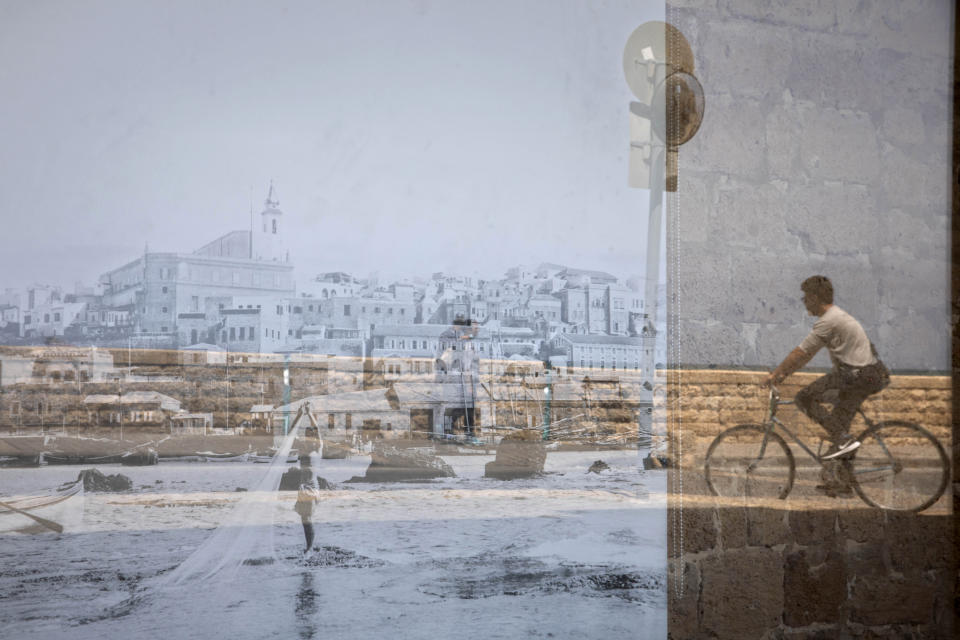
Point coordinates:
[[820, 287]]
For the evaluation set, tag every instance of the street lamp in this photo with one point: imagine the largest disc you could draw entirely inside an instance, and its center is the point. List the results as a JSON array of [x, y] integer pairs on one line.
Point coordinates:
[[546, 412], [658, 65]]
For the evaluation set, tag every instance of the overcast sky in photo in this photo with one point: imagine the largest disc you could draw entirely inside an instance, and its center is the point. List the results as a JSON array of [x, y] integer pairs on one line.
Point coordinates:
[[403, 136]]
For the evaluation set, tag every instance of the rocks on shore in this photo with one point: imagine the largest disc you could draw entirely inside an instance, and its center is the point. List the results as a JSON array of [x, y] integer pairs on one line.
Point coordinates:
[[94, 480], [335, 450], [521, 454], [392, 464], [598, 466], [291, 481]]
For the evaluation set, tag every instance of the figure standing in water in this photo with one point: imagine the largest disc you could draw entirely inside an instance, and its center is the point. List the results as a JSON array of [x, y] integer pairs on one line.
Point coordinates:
[[307, 497]]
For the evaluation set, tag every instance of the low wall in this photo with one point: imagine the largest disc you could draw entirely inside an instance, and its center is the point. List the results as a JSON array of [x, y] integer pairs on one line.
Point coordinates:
[[710, 401], [809, 566]]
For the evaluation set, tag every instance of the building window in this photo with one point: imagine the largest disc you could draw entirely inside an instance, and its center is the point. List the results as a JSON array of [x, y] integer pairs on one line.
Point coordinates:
[[274, 226], [223, 337], [330, 421], [233, 334], [250, 332], [243, 333], [376, 309], [163, 309], [164, 329], [164, 290], [402, 312], [348, 421], [346, 309], [266, 333], [46, 317], [56, 317], [193, 336], [310, 307]]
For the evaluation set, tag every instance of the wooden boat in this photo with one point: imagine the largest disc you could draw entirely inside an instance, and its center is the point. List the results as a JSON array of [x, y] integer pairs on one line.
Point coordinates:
[[62, 507], [84, 450], [22, 451]]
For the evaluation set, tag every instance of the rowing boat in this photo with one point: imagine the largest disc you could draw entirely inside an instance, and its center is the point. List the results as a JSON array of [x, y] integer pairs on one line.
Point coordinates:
[[26, 514]]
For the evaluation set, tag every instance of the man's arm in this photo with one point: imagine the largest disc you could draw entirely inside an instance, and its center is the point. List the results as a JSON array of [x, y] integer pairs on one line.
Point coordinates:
[[794, 361]]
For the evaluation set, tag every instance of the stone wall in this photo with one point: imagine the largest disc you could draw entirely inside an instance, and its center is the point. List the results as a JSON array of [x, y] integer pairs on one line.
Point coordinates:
[[809, 566], [824, 148], [712, 400]]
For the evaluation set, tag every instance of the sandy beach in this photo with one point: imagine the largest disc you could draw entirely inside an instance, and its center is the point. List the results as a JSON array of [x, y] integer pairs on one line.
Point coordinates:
[[568, 554]]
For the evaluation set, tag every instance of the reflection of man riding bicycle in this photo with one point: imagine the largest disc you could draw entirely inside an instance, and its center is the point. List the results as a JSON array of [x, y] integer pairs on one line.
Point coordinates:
[[894, 464], [857, 371]]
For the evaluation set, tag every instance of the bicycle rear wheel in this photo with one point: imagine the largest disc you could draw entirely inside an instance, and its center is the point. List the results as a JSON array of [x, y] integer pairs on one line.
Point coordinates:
[[749, 461], [900, 466]]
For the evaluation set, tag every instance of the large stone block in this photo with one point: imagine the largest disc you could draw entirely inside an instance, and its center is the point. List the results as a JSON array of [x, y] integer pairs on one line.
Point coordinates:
[[767, 527], [802, 16], [743, 60], [813, 527], [831, 217], [742, 593], [729, 142], [916, 179], [919, 27], [839, 144], [699, 531], [814, 594], [733, 526], [882, 600], [918, 542], [903, 126], [683, 609], [750, 217], [826, 71]]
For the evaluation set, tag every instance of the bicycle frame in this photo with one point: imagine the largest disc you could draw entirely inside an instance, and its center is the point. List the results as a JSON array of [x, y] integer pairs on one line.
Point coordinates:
[[772, 421]]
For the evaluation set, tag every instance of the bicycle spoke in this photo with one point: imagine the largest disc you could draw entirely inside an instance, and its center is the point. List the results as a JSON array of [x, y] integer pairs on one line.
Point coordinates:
[[747, 462], [900, 466]]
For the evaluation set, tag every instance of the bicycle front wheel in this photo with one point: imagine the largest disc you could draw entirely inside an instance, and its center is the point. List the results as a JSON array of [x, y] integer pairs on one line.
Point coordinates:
[[900, 466], [749, 461]]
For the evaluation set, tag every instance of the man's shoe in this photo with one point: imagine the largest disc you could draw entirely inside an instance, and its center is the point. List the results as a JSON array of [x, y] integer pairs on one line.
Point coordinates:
[[843, 449]]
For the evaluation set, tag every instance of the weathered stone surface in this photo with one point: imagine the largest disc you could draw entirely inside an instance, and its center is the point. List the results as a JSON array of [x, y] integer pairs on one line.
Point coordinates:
[[95, 480], [733, 526], [522, 454], [767, 527], [390, 464], [816, 14], [742, 593], [751, 61], [813, 594], [699, 530], [919, 542], [683, 609], [810, 527], [894, 600]]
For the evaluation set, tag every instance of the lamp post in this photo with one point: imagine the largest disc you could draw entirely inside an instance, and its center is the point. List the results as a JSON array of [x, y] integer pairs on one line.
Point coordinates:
[[546, 412]]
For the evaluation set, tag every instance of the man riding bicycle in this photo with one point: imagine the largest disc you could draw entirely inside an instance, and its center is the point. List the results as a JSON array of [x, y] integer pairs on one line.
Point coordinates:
[[857, 371]]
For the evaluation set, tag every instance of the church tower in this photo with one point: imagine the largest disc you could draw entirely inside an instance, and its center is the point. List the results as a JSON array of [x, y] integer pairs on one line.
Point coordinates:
[[268, 236]]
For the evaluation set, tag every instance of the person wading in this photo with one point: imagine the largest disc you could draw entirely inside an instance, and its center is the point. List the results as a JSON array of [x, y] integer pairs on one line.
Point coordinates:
[[307, 497]]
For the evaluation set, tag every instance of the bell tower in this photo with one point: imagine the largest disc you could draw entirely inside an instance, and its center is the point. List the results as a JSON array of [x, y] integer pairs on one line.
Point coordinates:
[[268, 237]]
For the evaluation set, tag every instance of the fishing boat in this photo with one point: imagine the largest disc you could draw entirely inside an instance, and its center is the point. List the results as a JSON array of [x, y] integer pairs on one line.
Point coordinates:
[[58, 510]]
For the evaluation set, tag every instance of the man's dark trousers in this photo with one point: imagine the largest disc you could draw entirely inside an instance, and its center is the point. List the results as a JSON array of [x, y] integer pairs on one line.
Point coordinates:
[[852, 387]]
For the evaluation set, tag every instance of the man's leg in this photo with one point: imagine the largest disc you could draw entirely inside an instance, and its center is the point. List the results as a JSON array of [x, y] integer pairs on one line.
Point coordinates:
[[808, 401], [308, 533]]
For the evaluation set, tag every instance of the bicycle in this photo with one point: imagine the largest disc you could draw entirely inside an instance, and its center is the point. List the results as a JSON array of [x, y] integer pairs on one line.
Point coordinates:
[[899, 466]]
